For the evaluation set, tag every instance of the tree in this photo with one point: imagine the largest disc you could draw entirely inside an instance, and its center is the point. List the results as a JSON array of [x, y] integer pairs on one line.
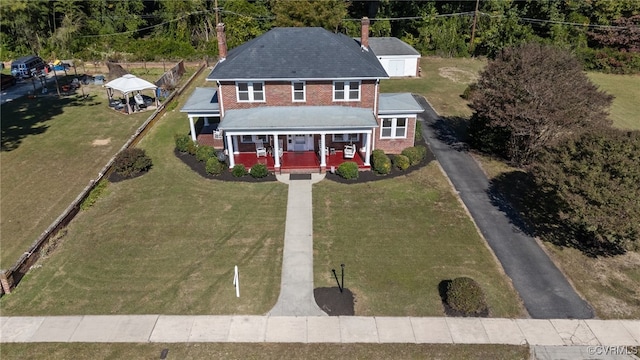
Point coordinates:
[[532, 96], [624, 37], [502, 29], [327, 14], [596, 181]]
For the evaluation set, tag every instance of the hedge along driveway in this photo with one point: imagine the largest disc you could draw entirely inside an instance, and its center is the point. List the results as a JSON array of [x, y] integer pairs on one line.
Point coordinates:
[[399, 238], [164, 243], [51, 149]]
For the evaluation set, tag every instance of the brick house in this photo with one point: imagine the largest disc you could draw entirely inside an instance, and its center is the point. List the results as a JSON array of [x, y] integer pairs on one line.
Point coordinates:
[[301, 98]]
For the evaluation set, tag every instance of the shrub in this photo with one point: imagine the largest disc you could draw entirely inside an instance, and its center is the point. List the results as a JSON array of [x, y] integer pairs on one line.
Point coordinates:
[[131, 162], [401, 162], [415, 154], [239, 170], [94, 195], [380, 162], [465, 295], [204, 153], [418, 134], [422, 151], [469, 91], [259, 171], [192, 147], [348, 170], [182, 142], [214, 167]]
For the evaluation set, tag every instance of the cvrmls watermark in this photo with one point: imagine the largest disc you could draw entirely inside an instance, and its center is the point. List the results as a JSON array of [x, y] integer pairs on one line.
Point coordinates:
[[612, 350]]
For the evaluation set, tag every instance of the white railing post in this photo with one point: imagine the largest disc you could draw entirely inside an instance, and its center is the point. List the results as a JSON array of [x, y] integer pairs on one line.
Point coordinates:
[[236, 281]]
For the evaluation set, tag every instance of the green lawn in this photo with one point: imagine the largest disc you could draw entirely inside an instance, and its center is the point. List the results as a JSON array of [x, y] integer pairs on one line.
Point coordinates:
[[443, 80], [612, 293], [625, 110], [164, 243], [399, 238], [51, 149], [263, 351]]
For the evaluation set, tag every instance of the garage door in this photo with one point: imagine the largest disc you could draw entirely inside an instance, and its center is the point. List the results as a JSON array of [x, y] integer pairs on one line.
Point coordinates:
[[396, 67]]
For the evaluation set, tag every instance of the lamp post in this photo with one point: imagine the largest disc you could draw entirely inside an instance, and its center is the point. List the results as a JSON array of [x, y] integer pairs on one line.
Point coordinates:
[[342, 266]]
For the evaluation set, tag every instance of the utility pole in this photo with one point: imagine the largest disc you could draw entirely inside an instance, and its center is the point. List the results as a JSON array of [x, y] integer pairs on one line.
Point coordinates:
[[215, 3], [473, 27]]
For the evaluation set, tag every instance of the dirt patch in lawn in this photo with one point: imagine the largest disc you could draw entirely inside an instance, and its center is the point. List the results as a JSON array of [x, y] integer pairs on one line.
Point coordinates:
[[334, 302], [458, 75], [101, 142]]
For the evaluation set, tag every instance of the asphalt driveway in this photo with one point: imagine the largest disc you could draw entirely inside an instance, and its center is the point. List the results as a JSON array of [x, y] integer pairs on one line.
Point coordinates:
[[545, 291]]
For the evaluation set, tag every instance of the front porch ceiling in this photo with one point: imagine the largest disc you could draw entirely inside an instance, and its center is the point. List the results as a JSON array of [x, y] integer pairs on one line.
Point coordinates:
[[299, 119]]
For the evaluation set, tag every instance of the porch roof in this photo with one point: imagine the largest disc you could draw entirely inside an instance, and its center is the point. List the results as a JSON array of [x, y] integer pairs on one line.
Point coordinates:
[[292, 118], [398, 103], [203, 100]]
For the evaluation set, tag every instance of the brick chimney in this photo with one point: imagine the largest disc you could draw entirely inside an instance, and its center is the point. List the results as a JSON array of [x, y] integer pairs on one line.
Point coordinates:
[[222, 41], [364, 33]]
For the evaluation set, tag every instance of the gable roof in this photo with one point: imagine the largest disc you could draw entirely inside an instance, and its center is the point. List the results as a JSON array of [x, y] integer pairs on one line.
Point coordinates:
[[382, 46], [128, 83], [298, 53]]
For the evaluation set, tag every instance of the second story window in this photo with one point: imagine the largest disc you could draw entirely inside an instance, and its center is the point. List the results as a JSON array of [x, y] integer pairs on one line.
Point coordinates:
[[298, 90], [346, 90], [250, 91]]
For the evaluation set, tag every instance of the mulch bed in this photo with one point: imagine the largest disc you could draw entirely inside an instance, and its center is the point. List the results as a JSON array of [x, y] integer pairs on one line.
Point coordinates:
[[199, 167], [363, 176], [334, 302]]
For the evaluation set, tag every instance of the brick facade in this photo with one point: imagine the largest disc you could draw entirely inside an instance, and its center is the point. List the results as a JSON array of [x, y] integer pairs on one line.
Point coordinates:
[[395, 146], [280, 93]]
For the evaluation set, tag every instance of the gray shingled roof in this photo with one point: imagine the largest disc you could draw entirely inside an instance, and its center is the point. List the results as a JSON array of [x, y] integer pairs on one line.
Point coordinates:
[[202, 100], [398, 103], [382, 46], [288, 118], [298, 53]]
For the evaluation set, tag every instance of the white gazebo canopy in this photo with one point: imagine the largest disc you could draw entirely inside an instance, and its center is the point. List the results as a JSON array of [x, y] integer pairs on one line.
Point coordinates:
[[127, 84]]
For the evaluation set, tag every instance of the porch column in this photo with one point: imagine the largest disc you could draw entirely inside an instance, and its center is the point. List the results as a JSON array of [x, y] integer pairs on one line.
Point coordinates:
[[206, 121], [232, 162], [367, 153], [235, 144], [276, 151], [193, 128], [323, 147]]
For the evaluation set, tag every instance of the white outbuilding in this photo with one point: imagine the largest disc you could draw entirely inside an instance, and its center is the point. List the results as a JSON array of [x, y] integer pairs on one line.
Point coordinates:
[[397, 57]]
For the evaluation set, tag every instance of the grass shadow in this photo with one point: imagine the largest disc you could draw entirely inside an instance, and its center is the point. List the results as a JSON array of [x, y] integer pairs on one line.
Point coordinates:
[[27, 116], [537, 213]]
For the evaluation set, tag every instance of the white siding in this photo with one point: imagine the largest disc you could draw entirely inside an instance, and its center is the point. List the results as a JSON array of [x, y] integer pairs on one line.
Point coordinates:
[[390, 64]]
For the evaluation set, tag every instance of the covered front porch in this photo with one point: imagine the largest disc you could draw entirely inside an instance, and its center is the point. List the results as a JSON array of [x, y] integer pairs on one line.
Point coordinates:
[[297, 161], [298, 138]]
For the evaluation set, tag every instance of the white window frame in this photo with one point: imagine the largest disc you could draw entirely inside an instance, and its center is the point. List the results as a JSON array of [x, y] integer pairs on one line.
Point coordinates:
[[251, 92], [346, 138], [394, 127], [254, 138], [294, 91], [348, 87]]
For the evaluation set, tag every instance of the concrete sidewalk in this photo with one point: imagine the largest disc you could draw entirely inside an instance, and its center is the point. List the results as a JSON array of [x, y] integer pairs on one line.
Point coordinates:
[[296, 284], [318, 329]]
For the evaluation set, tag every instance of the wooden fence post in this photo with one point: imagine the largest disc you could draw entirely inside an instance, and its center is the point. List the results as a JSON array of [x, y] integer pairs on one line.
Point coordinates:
[[6, 287]]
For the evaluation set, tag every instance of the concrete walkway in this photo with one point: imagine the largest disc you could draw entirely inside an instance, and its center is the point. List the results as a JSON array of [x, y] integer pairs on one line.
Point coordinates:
[[545, 291], [296, 285], [318, 329]]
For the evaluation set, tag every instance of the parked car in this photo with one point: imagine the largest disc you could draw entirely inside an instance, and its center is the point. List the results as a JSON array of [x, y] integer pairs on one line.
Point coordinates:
[[27, 66], [7, 81]]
